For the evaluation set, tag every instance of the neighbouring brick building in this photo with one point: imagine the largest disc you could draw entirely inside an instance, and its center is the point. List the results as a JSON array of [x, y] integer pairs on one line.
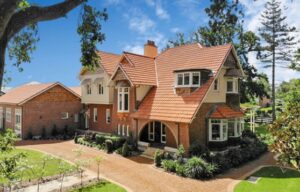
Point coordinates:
[[184, 95], [32, 107]]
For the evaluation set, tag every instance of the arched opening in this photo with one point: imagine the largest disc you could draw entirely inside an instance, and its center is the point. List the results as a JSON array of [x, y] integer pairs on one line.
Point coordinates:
[[157, 134]]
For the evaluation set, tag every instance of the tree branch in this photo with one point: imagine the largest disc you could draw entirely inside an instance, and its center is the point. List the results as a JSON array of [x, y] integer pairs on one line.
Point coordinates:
[[7, 10], [35, 14]]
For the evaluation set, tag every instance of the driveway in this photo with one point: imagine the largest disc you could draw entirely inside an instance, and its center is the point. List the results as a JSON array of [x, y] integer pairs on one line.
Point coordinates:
[[139, 174]]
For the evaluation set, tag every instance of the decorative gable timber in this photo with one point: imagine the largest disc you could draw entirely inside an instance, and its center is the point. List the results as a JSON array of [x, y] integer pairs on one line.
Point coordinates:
[[231, 62]]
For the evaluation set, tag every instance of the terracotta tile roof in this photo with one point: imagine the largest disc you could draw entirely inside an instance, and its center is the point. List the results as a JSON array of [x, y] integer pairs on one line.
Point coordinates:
[[140, 70], [162, 103], [225, 112], [77, 90], [109, 61], [19, 94]]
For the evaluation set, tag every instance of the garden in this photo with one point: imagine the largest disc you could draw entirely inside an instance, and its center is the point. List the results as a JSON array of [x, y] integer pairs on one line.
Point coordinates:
[[22, 169], [204, 164]]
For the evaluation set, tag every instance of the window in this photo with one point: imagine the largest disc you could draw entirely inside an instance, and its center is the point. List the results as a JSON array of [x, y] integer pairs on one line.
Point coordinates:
[[76, 118], [218, 129], [232, 85], [8, 115], [163, 133], [108, 116], [188, 79], [95, 115], [235, 127], [216, 85], [231, 127], [119, 129], [100, 89], [127, 130], [123, 130], [64, 115], [123, 99], [88, 89], [151, 131], [1, 117]]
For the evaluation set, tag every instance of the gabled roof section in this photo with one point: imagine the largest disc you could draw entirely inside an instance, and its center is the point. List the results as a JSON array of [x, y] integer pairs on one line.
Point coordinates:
[[225, 112], [162, 103], [139, 69], [24, 93]]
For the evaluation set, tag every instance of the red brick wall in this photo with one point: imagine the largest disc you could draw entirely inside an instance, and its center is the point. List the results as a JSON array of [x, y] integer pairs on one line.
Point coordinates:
[[101, 124], [45, 111]]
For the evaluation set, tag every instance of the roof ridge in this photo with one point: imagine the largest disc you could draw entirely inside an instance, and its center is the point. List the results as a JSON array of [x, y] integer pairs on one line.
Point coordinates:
[[108, 53], [125, 52]]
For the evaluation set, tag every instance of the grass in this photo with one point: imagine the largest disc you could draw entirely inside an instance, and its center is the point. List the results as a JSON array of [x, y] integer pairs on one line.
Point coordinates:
[[101, 187], [272, 179], [35, 158], [259, 129]]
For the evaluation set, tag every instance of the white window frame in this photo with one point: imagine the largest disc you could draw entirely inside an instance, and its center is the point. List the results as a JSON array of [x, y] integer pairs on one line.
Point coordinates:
[[163, 136], [119, 129], [100, 88], [76, 118], [88, 89], [18, 119], [238, 126], [216, 83], [95, 115], [8, 115], [64, 115], [223, 135], [123, 130], [151, 131], [190, 83], [107, 116], [235, 85], [121, 99], [127, 130]]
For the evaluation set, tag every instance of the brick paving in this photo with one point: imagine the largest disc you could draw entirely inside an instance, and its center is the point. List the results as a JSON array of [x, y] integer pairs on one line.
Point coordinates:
[[138, 174]]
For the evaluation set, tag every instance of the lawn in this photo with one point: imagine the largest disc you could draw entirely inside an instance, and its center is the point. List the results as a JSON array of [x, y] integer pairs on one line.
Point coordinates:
[[101, 187], [35, 158], [272, 179]]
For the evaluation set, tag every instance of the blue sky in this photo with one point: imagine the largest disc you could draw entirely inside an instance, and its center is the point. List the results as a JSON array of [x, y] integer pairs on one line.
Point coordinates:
[[130, 24]]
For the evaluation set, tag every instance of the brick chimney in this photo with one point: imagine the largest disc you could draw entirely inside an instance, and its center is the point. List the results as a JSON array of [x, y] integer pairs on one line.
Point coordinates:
[[150, 49]]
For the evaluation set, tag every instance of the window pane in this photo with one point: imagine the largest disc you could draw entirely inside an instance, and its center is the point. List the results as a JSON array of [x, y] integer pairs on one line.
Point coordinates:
[[120, 102], [196, 78], [186, 79], [231, 123], [215, 131], [180, 79], [216, 84], [126, 103], [224, 132], [238, 127], [229, 86]]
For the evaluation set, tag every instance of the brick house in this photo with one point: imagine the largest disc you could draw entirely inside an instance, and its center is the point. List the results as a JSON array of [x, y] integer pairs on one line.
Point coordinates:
[[184, 95], [32, 107]]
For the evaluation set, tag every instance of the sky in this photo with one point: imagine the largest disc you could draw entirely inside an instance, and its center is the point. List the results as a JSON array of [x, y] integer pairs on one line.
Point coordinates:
[[130, 24]]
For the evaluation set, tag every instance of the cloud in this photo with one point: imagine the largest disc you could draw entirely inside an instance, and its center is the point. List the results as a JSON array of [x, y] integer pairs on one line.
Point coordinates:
[[175, 30], [159, 10], [191, 9], [139, 22], [138, 49], [112, 2], [253, 11]]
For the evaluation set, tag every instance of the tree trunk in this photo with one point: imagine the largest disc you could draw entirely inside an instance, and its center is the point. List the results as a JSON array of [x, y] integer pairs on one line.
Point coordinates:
[[273, 87], [2, 60]]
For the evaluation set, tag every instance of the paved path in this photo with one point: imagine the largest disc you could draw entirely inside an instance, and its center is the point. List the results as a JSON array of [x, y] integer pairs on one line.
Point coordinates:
[[138, 173]]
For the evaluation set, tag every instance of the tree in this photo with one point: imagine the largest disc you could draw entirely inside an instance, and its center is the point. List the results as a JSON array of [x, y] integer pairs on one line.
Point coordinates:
[[286, 133], [98, 160], [289, 91], [18, 29], [226, 26], [80, 164], [278, 50]]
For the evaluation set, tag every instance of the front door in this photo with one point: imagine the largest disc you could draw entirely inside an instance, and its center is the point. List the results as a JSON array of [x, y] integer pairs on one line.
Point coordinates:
[[157, 127]]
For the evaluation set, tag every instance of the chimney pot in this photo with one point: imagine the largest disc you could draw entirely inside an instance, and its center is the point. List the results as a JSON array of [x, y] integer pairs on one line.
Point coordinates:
[[150, 49]]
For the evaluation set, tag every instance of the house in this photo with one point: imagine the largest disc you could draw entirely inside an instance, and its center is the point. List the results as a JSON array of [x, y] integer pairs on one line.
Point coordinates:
[[184, 95], [30, 108]]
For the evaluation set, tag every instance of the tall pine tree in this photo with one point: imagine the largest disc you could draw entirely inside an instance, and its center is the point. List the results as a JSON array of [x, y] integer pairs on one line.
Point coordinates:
[[280, 42]]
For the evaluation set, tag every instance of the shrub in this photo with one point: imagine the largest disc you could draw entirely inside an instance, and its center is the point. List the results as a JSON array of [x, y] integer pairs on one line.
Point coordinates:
[[54, 131], [169, 165], [158, 158], [30, 135], [76, 138], [198, 168], [196, 149], [180, 152], [180, 169], [125, 150], [235, 156], [119, 150], [100, 139], [249, 133], [109, 146], [222, 162]]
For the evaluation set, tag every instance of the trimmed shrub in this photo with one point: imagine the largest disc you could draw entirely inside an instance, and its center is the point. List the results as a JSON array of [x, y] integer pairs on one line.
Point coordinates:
[[158, 158], [196, 149], [180, 169], [169, 165], [109, 146], [222, 162], [125, 150], [235, 156], [54, 132], [198, 168], [100, 139]]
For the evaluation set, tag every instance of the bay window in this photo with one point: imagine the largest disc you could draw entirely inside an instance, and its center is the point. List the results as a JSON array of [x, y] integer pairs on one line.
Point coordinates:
[[235, 127], [188, 79], [100, 89], [218, 129], [88, 89], [123, 99]]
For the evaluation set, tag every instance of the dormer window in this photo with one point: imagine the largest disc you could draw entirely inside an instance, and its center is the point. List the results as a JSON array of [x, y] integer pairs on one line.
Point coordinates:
[[232, 85], [188, 79], [88, 89]]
